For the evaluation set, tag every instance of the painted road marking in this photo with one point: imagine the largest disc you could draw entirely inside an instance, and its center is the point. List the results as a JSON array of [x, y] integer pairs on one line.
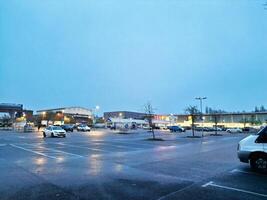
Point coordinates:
[[233, 189], [245, 172], [118, 146], [29, 150], [136, 143], [148, 145], [55, 150], [175, 192], [207, 184], [81, 147]]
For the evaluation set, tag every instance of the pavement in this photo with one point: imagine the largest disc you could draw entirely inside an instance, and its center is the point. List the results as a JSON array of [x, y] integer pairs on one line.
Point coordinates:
[[102, 164]]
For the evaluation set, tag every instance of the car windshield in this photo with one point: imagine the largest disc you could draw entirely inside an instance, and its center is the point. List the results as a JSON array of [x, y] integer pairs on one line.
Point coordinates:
[[262, 131], [57, 128]]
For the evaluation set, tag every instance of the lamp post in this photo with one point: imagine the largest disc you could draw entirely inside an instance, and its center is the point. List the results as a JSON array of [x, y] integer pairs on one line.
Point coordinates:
[[97, 108], [63, 117], [200, 101]]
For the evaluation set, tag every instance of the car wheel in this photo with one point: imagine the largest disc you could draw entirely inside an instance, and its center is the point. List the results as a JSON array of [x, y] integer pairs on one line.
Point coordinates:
[[52, 134], [259, 163], [44, 135]]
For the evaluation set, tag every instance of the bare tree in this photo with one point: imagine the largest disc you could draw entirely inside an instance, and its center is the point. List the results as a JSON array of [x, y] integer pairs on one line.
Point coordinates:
[[193, 112], [149, 110], [245, 121], [215, 118], [6, 120]]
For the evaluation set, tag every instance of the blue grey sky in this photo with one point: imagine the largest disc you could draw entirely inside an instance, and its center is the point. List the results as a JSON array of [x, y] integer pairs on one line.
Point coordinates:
[[120, 54]]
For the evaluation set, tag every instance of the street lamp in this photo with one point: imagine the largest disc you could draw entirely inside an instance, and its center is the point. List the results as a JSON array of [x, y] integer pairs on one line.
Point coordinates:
[[62, 117], [95, 112], [200, 101]]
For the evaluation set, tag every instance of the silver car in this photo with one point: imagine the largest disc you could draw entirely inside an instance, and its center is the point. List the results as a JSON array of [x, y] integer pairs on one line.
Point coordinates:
[[253, 150], [54, 131]]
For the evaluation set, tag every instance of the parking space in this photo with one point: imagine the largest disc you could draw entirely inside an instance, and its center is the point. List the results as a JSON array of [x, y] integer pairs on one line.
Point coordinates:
[[104, 165], [239, 183]]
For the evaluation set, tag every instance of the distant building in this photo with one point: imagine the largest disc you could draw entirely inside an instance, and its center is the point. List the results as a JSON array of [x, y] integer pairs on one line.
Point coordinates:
[[240, 120], [129, 123], [124, 115], [14, 113], [244, 119], [11, 109], [65, 115], [15, 110]]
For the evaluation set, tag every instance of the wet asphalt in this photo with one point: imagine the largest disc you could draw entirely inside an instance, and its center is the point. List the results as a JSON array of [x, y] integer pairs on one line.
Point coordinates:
[[102, 164]]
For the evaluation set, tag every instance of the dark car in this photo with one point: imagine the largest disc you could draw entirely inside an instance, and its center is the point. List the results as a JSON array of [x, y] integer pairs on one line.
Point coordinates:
[[176, 129], [67, 127]]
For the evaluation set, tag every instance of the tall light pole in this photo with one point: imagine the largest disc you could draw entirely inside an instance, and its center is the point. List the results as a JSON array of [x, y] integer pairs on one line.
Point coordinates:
[[62, 117], [97, 108], [200, 101]]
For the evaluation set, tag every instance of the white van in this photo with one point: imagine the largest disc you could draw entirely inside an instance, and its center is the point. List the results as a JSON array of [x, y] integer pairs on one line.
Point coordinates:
[[253, 150]]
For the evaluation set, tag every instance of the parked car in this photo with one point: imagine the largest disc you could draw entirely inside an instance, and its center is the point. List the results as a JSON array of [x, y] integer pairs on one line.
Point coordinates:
[[233, 130], [54, 131], [253, 150], [176, 129], [218, 129], [198, 128], [28, 128], [100, 125], [209, 129], [67, 127], [249, 129], [83, 127], [187, 127], [206, 129]]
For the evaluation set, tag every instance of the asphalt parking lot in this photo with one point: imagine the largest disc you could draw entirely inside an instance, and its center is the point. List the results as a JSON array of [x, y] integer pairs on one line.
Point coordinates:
[[103, 165]]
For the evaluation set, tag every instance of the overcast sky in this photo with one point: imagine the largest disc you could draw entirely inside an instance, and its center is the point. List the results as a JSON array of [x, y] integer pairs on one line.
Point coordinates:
[[120, 54]]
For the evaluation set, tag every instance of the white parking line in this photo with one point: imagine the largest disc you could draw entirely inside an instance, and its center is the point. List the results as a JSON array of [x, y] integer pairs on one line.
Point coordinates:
[[29, 150], [233, 189], [55, 150], [118, 146], [175, 192], [136, 143], [81, 147], [207, 184], [245, 172], [241, 171]]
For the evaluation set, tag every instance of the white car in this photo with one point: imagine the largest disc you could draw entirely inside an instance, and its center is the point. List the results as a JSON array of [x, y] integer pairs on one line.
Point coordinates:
[[218, 129], [54, 131], [253, 150], [234, 130], [83, 127]]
